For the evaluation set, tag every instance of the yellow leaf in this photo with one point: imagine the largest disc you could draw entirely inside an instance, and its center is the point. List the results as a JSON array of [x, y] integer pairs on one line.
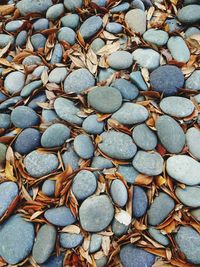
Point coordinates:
[[9, 172]]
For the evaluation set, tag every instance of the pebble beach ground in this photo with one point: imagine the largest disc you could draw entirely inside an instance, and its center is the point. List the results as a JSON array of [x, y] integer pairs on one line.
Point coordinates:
[[100, 133]]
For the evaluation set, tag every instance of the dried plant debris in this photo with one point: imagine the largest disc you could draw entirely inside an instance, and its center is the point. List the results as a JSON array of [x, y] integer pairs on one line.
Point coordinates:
[[100, 133]]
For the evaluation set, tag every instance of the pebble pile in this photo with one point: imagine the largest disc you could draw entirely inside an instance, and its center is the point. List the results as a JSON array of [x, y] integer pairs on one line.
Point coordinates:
[[100, 133]]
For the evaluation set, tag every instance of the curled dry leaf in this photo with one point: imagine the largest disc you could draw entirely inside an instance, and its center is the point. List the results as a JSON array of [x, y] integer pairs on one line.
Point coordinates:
[[123, 217], [72, 229]]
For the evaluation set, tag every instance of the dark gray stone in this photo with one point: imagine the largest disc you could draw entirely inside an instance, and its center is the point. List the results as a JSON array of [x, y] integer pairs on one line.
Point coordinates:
[[54, 261], [60, 216]]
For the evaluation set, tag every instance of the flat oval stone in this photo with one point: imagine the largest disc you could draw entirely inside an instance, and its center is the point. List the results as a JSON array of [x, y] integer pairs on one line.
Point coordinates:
[[3, 149], [178, 49], [91, 26], [189, 196], [38, 40], [17, 237], [57, 54], [119, 192], [13, 26], [84, 184], [136, 20], [55, 11], [132, 256], [157, 37], [37, 100], [193, 81], [60, 216], [29, 6], [92, 126], [69, 157], [128, 90], [96, 213], [100, 2], [191, 31], [188, 241], [29, 88], [105, 99], [196, 214], [71, 21], [149, 163], [83, 146], [67, 34], [158, 236], [44, 243], [102, 261], [189, 14], [54, 261], [147, 58], [177, 106], [14, 82], [193, 141], [144, 137], [117, 145], [120, 60], [24, 117], [105, 74], [131, 113], [5, 39], [71, 5], [78, 81], [138, 80], [68, 240], [140, 202], [41, 24], [21, 38], [49, 115], [48, 188], [57, 75], [5, 121], [55, 135], [97, 44], [31, 60], [128, 172], [120, 8], [160, 209], [95, 243], [184, 169], [39, 164], [137, 4], [114, 27], [8, 192], [170, 134], [167, 79]]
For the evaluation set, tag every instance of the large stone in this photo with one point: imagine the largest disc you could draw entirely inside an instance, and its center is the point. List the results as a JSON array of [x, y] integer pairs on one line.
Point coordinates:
[[157, 37], [189, 14], [24, 117], [14, 82], [71, 5], [136, 20], [8, 192], [144, 137], [189, 196], [178, 49], [61, 216], [33, 6], [120, 60], [147, 58], [193, 141], [83, 146]]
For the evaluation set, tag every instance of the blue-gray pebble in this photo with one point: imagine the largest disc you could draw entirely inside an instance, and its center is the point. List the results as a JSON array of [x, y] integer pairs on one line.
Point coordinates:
[[24, 117], [61, 216], [140, 202]]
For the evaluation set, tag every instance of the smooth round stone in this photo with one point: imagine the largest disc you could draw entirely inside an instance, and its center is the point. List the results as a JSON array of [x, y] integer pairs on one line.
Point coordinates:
[[149, 163], [29, 6], [120, 60], [10, 102], [189, 196], [49, 115], [32, 60], [39, 164], [193, 141], [34, 103], [57, 54], [78, 81], [144, 137], [68, 240], [83, 146], [67, 110], [147, 58], [24, 117], [5, 121], [44, 244], [131, 113], [67, 34], [55, 11], [70, 158], [120, 8], [160, 209], [193, 82], [138, 80], [101, 262], [105, 74], [29, 88], [92, 126], [5, 39], [84, 185], [177, 106], [118, 228], [60, 216], [117, 145], [71, 21], [136, 20], [3, 149], [38, 41], [27, 141], [96, 213], [95, 243], [189, 14], [119, 193], [170, 134], [39, 70], [41, 24], [128, 90], [192, 31], [48, 188], [14, 82], [140, 202], [91, 26], [54, 261], [138, 4], [97, 44], [178, 49], [158, 236], [128, 172], [58, 75], [132, 256], [157, 37], [167, 79], [72, 5], [8, 192], [101, 163], [13, 26], [55, 135], [21, 38], [196, 214], [17, 237], [188, 241], [114, 27], [105, 99]]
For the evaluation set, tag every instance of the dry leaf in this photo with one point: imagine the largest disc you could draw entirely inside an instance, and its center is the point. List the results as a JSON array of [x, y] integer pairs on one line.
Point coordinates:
[[72, 229]]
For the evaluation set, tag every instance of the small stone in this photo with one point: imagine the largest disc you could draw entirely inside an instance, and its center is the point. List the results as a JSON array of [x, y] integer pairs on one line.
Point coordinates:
[[13, 26], [67, 34], [38, 41], [8, 192], [119, 193], [138, 80], [58, 75], [57, 54], [14, 82], [97, 44], [37, 100], [173, 25], [72, 5], [5, 39], [68, 240], [31, 60], [189, 196], [136, 20], [54, 261], [49, 115], [120, 8], [189, 14], [193, 82], [95, 243], [137, 4], [10, 102], [192, 31], [144, 137], [48, 188], [92, 126], [157, 37], [24, 117], [55, 11], [31, 6], [100, 2], [120, 60], [101, 262], [128, 90], [41, 24], [71, 21], [119, 228], [140, 202], [60, 216], [114, 27], [178, 49], [193, 141], [5, 121], [158, 236], [196, 214], [21, 38], [105, 74], [147, 58], [29, 88], [83, 146], [70, 158], [91, 26], [128, 172], [39, 70], [101, 163]]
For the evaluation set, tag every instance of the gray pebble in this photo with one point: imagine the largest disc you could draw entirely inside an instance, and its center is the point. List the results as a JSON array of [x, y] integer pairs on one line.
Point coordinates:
[[138, 4], [147, 58], [67, 34], [91, 26], [189, 14], [38, 41], [193, 82], [8, 192], [5, 121], [10, 102], [48, 188], [68, 240], [118, 228], [33, 6], [29, 88], [178, 49], [83, 146], [41, 24], [144, 137], [3, 149], [71, 21], [120, 60], [114, 27], [55, 11], [21, 38], [13, 26], [189, 196], [69, 157], [157, 37], [192, 31], [57, 54], [60, 216], [32, 60], [138, 80], [95, 243], [97, 44], [14, 82], [136, 20], [119, 193], [71, 5], [5, 39], [92, 126], [128, 90], [49, 115], [193, 141], [140, 202], [120, 8], [128, 172], [24, 117], [158, 236]]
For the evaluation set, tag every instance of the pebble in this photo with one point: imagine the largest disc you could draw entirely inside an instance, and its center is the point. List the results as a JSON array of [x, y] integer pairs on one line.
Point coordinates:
[[21, 38], [101, 163], [70, 21], [192, 31], [149, 163], [193, 82], [139, 202], [97, 44], [41, 24], [14, 82], [170, 134], [144, 137], [58, 75], [128, 90], [137, 4], [39, 70], [36, 100], [31, 6], [17, 237], [100, 2], [29, 88], [147, 58], [27, 141], [13, 26], [95, 243], [131, 113], [55, 11], [10, 102], [196, 214], [118, 228], [91, 26], [167, 79], [189, 14], [189, 196], [5, 39], [158, 236], [101, 262], [5, 121], [105, 99], [67, 34], [83, 146], [157, 37], [137, 79], [114, 27], [78, 81], [96, 213], [57, 54], [120, 8], [61, 216], [72, 5], [8, 192], [160, 209], [120, 60], [44, 243], [49, 115], [193, 141], [105, 74], [70, 158], [132, 256], [128, 172], [24, 117], [119, 193], [38, 41], [177, 106], [32, 60], [84, 185], [92, 126], [178, 49], [54, 261], [55, 135], [117, 145], [39, 164], [48, 188], [188, 241], [136, 20], [68, 240]]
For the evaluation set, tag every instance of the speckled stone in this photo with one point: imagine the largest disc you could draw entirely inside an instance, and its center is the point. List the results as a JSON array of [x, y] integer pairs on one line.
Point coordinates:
[[58, 75], [92, 126], [119, 193], [120, 60], [29, 88], [147, 58], [91, 26], [68, 240], [95, 243], [158, 236], [136, 20], [13, 26], [114, 27], [29, 6], [69, 157], [71, 21], [55, 11], [157, 37], [14, 82], [83, 146], [140, 202], [193, 82], [189, 196], [60, 216], [144, 137], [24, 117], [189, 14], [21, 38], [67, 34], [41, 24], [8, 192], [38, 40], [128, 90], [48, 188], [178, 49]]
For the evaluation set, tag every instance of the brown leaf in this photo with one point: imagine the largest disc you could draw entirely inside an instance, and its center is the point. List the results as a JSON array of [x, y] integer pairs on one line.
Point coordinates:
[[6, 9]]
